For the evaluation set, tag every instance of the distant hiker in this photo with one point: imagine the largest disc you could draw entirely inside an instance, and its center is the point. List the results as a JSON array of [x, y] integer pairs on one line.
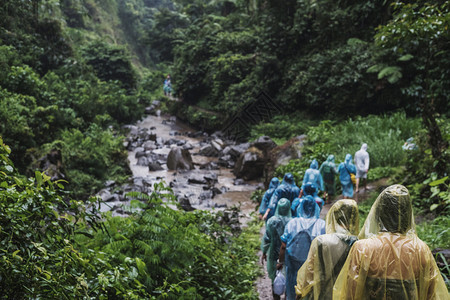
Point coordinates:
[[345, 169], [274, 183], [287, 189], [167, 86], [271, 242], [390, 261], [296, 241], [309, 190], [312, 175], [362, 166], [329, 172], [328, 252]]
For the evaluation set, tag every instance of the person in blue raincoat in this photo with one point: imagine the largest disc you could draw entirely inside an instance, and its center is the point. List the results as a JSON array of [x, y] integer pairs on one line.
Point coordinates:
[[271, 242], [344, 169], [287, 189], [329, 172], [312, 175], [296, 241], [274, 183], [310, 189]]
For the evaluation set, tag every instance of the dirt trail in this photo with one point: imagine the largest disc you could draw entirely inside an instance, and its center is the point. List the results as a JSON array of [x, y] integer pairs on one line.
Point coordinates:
[[264, 284]]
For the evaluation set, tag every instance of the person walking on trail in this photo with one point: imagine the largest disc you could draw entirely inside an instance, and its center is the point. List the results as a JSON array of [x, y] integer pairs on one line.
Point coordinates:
[[287, 189], [312, 175], [328, 252], [309, 190], [390, 261], [167, 86], [296, 241], [329, 172], [266, 198], [362, 166], [344, 169], [271, 242]]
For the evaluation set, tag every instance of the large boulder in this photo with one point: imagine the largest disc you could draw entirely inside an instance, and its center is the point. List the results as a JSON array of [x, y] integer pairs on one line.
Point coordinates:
[[281, 155], [250, 164], [179, 159]]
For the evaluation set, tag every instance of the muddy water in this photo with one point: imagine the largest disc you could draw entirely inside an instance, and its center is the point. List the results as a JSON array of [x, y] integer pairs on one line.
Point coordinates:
[[170, 128]]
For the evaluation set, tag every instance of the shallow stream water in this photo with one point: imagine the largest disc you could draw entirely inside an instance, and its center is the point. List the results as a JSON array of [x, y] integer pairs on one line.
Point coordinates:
[[233, 195]]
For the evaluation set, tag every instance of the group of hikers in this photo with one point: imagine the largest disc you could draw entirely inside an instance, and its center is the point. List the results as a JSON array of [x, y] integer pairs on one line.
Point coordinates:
[[316, 259]]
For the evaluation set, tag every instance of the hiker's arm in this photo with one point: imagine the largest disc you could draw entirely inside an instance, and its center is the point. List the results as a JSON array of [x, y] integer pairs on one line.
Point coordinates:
[[280, 262]]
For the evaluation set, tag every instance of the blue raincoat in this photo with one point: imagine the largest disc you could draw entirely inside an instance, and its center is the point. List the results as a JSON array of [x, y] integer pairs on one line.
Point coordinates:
[[271, 241], [287, 189], [312, 175], [344, 169], [309, 189], [267, 195], [298, 235]]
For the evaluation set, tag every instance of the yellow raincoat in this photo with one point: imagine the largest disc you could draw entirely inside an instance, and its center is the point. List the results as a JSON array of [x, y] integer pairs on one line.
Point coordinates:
[[328, 252], [390, 261]]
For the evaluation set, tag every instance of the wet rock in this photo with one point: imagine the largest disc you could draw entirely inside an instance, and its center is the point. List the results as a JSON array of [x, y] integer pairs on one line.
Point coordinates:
[[264, 143], [179, 159], [51, 165], [250, 164], [140, 154], [188, 146], [156, 102], [217, 144], [239, 181], [185, 204], [210, 177], [152, 136], [133, 130], [236, 150], [205, 195], [110, 183], [208, 150], [281, 155], [197, 179], [150, 110], [142, 161], [149, 145], [154, 167]]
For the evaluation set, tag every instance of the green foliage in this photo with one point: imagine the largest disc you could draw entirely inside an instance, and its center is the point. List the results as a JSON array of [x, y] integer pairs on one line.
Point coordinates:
[[383, 134], [90, 158], [110, 63], [436, 232], [179, 254], [282, 128]]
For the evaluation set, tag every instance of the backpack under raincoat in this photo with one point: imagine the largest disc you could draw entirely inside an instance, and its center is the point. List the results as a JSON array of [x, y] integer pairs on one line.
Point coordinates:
[[298, 235], [328, 252]]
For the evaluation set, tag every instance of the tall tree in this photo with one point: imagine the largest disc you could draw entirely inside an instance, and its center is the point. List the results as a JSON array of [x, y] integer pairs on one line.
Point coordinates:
[[417, 41]]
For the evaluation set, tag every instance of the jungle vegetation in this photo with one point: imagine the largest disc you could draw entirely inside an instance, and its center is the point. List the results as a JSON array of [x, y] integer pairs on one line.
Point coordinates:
[[73, 72]]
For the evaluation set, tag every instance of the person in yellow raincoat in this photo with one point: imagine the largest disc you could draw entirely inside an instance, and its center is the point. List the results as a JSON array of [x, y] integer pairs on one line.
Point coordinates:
[[328, 252], [390, 261]]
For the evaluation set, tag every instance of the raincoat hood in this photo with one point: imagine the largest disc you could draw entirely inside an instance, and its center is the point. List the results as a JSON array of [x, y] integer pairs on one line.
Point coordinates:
[[308, 208], [314, 164], [310, 188], [274, 183], [343, 217], [348, 158], [283, 208], [391, 212], [330, 158], [364, 147], [288, 178]]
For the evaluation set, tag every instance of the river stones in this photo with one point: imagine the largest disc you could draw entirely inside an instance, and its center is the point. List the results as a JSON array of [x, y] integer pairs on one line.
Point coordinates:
[[179, 159]]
